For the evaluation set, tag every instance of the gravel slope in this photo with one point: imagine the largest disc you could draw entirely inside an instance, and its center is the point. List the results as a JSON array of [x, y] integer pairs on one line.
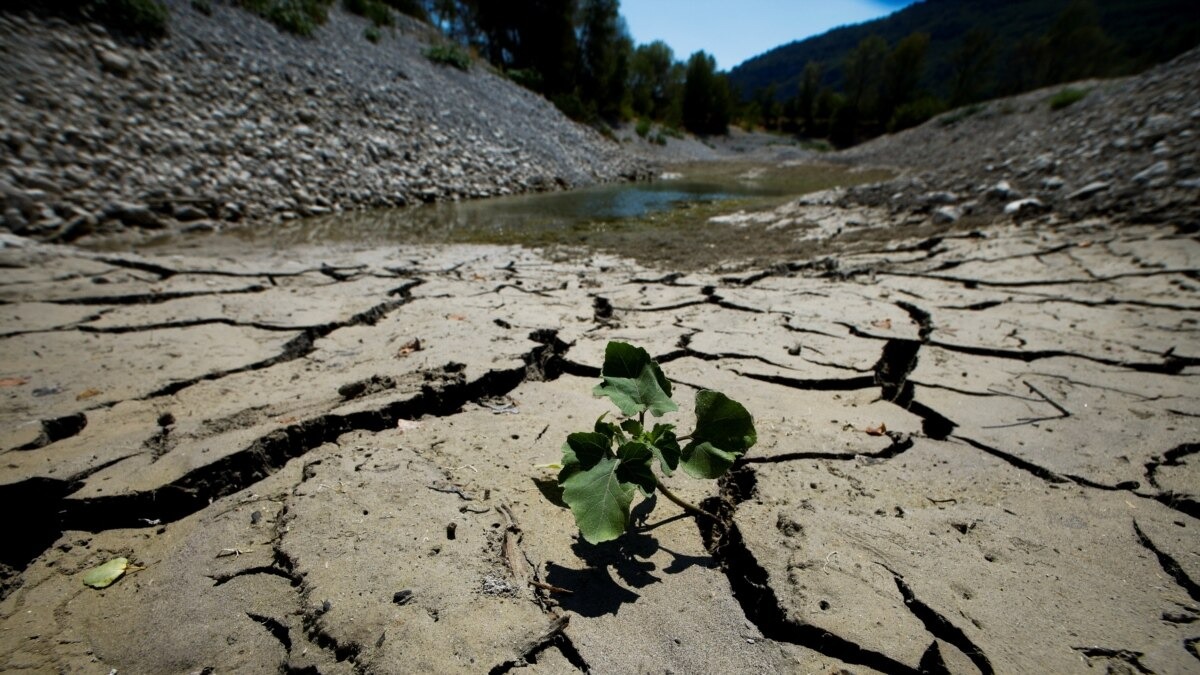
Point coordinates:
[[230, 119]]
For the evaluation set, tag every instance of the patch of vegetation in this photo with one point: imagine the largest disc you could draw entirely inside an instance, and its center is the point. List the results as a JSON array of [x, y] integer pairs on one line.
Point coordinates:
[[526, 77], [643, 127], [604, 469], [1066, 97], [376, 11], [142, 20], [960, 114], [202, 6], [449, 55], [658, 138], [293, 16], [914, 113], [413, 8], [372, 34]]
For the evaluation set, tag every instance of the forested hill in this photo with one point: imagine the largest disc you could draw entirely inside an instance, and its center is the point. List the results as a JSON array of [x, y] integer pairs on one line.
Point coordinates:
[[1019, 34]]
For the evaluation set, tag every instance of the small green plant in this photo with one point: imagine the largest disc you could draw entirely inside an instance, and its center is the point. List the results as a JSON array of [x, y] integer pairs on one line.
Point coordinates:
[[602, 470], [450, 55], [372, 34], [1066, 97], [643, 127]]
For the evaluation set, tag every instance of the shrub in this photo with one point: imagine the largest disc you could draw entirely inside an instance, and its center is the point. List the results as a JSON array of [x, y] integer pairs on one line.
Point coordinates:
[[960, 114], [529, 78], [294, 16], [570, 105], [914, 113], [643, 127], [144, 20], [1066, 97], [372, 34], [413, 8], [376, 11], [202, 6], [450, 55], [658, 139]]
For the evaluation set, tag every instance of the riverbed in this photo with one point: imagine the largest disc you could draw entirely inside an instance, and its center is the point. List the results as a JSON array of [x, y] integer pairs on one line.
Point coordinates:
[[667, 222]]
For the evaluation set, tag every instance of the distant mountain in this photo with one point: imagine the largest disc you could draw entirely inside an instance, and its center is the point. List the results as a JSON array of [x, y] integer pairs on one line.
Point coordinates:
[[1144, 32]]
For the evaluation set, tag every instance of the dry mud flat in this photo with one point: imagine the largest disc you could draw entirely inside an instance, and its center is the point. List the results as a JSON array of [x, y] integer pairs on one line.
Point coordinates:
[[326, 460]]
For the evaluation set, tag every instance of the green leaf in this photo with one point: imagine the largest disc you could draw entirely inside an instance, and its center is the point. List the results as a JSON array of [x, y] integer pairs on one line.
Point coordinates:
[[599, 500], [724, 432], [665, 447], [585, 448], [703, 460], [634, 381], [609, 429], [635, 468], [104, 575]]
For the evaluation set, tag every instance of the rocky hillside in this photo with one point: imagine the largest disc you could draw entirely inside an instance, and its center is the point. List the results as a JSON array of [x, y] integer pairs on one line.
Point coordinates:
[[229, 120], [1127, 149]]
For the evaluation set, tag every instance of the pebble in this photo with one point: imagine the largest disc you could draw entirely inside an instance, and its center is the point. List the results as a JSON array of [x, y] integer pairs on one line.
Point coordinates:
[[91, 123]]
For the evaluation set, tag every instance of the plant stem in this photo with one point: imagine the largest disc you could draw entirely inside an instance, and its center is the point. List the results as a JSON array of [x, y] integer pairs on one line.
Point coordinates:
[[682, 504], [642, 419]]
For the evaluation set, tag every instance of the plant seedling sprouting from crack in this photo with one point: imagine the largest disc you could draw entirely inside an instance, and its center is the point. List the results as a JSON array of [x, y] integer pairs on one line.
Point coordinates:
[[604, 468]]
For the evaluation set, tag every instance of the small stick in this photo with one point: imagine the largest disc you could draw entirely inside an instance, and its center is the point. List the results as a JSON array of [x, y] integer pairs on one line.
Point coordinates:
[[1059, 408], [549, 587]]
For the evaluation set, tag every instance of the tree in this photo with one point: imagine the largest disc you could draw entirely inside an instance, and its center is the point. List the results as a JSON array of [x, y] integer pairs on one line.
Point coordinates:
[[603, 46], [969, 64], [1076, 46], [864, 80], [902, 69], [537, 36], [650, 79], [706, 96], [807, 97], [768, 106]]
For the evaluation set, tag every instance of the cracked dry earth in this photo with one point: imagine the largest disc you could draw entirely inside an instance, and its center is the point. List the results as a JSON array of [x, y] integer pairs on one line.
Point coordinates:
[[326, 460]]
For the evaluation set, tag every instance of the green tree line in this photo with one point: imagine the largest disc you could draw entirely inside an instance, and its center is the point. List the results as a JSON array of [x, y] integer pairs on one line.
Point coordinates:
[[878, 86], [579, 54]]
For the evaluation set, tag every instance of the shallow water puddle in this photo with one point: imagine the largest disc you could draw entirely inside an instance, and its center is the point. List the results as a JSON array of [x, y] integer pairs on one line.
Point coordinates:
[[665, 221]]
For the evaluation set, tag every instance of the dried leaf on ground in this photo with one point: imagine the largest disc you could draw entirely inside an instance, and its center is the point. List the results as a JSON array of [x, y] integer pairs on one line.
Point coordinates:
[[13, 381], [413, 345], [88, 393], [104, 575]]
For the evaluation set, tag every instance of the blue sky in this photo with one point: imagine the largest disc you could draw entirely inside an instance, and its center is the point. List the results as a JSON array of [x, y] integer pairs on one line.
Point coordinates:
[[735, 30]]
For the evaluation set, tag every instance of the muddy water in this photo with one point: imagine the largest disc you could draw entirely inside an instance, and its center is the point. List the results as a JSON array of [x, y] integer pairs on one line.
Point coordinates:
[[661, 223]]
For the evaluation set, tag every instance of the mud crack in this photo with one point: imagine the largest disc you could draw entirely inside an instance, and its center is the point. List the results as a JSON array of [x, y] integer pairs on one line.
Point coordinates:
[[550, 637], [51, 512], [751, 582], [1169, 564], [941, 627]]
